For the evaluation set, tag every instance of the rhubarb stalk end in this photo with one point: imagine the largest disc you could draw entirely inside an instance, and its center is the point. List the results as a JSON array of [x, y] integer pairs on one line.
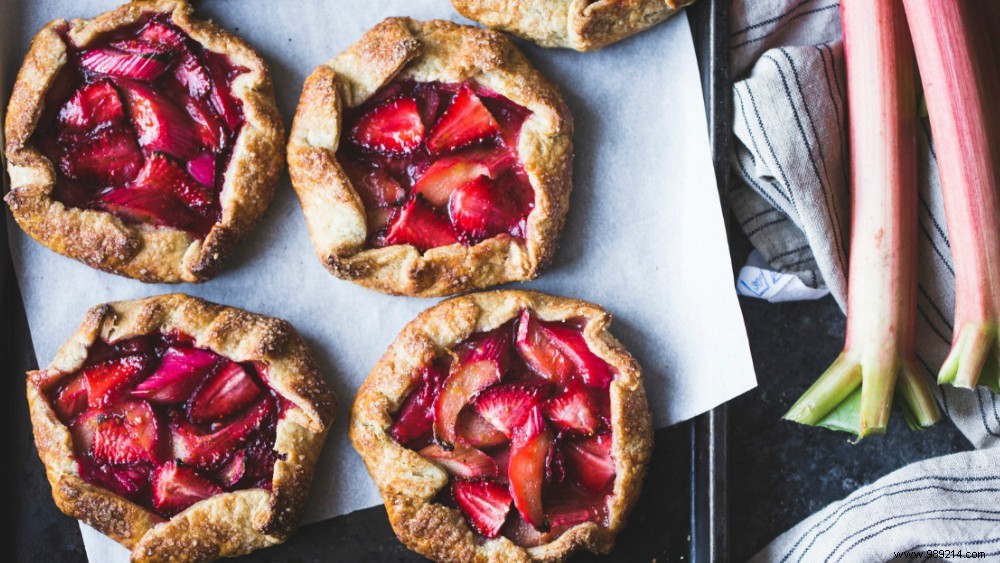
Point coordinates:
[[974, 358]]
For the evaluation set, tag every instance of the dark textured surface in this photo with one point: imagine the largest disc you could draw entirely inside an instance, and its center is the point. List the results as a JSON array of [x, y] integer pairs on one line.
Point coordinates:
[[780, 472]]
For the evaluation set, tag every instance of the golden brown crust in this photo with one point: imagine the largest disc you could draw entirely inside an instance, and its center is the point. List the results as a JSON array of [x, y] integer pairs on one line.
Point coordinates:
[[584, 25], [428, 51], [408, 482], [101, 240], [223, 525]]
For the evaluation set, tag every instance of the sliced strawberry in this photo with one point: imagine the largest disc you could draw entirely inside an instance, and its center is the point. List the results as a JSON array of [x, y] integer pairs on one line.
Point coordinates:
[[137, 66], [176, 487], [71, 399], [210, 449], [485, 503], [477, 432], [149, 206], [92, 106], [493, 346], [161, 174], [483, 209], [416, 417], [202, 169], [418, 224], [509, 115], [465, 122], [109, 158], [220, 94], [529, 452], [575, 410], [83, 430], [539, 352], [445, 176], [142, 423], [160, 125], [108, 380], [180, 371], [589, 462], [450, 173], [125, 481], [162, 34], [507, 406], [225, 392], [595, 371], [462, 461], [463, 383], [232, 472], [115, 444], [210, 130], [394, 127], [259, 460]]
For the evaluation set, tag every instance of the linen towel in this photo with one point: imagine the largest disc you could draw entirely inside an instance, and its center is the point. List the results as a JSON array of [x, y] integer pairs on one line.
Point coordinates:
[[946, 505], [792, 201]]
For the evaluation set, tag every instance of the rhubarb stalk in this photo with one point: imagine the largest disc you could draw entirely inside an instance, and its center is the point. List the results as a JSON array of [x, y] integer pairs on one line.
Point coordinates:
[[962, 87], [882, 282]]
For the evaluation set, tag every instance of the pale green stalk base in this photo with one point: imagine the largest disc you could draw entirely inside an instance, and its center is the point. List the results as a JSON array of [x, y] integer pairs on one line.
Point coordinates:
[[919, 405], [974, 358], [835, 400]]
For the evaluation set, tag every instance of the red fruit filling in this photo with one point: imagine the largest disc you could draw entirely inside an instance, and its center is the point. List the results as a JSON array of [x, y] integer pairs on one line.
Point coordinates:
[[166, 424], [141, 124], [520, 419], [437, 164]]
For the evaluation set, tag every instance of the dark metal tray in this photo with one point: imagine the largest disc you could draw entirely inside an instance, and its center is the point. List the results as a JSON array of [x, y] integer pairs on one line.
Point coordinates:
[[680, 517]]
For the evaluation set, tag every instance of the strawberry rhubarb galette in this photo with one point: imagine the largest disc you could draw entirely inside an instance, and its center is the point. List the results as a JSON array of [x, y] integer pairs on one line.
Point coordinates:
[[182, 429], [430, 158], [584, 25], [142, 142], [505, 426]]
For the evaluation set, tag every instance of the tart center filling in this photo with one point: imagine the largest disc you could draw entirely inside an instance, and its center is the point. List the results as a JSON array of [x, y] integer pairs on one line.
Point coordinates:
[[166, 424], [437, 164], [142, 124], [518, 416]]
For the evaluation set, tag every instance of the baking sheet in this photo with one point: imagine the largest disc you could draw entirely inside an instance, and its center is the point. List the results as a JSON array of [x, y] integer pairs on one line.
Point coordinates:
[[645, 235]]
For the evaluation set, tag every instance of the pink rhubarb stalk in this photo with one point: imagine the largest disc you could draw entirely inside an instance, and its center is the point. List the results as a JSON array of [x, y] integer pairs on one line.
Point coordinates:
[[952, 42], [882, 282]]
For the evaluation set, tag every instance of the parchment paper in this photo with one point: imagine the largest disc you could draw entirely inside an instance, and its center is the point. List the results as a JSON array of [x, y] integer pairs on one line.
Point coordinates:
[[644, 238]]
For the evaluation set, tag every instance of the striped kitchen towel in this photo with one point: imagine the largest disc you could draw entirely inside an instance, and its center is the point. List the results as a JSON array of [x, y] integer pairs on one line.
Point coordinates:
[[939, 509], [792, 201]]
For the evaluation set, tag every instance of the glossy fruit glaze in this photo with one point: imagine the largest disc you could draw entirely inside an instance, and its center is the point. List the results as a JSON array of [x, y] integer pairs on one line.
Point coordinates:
[[437, 164], [166, 424], [142, 124], [520, 418]]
